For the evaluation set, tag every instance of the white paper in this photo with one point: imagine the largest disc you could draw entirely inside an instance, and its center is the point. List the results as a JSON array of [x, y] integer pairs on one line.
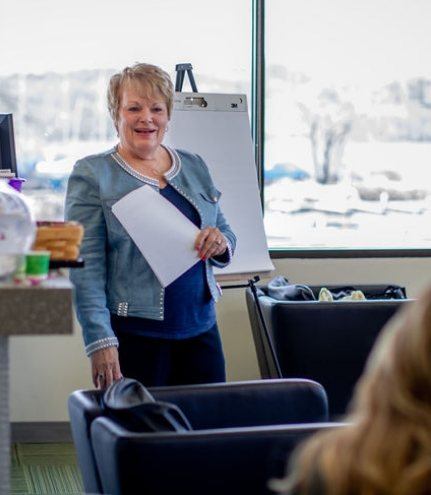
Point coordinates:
[[162, 233]]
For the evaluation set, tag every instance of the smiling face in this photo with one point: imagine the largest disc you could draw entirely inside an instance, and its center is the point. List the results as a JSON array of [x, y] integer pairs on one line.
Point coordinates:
[[142, 120]]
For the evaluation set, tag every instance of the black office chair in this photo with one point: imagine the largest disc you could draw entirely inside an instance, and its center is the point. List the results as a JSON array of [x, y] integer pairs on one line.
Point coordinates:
[[212, 409], [328, 342]]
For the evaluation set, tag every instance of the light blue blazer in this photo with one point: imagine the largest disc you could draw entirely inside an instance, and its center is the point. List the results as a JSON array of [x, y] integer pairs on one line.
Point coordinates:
[[116, 277]]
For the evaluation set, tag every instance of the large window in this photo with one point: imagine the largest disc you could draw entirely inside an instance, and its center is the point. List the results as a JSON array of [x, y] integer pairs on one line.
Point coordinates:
[[57, 57], [348, 124]]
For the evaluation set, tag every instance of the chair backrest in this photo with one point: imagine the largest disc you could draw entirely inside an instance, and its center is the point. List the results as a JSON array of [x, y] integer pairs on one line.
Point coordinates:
[[231, 461], [219, 405], [324, 341], [248, 403]]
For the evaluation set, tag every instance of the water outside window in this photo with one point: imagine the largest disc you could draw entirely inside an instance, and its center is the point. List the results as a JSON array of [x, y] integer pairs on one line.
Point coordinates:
[[348, 124], [57, 58]]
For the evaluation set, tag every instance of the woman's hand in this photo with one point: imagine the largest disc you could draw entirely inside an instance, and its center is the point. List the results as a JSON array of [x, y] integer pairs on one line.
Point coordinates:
[[105, 367], [210, 242]]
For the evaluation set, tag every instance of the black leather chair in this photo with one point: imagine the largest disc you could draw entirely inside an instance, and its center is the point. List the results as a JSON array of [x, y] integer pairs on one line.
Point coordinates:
[[324, 341], [212, 409], [228, 461]]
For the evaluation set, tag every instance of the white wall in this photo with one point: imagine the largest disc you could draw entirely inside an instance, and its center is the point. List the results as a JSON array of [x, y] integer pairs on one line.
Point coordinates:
[[44, 370]]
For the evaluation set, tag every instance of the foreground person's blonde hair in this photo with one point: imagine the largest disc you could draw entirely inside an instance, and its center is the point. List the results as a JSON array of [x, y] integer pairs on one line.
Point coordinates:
[[387, 449]]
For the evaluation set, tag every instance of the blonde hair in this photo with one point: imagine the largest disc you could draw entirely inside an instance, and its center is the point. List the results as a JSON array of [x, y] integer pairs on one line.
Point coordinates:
[[150, 77], [387, 448]]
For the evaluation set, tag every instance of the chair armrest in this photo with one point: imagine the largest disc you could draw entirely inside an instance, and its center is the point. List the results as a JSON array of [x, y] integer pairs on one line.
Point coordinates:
[[84, 407], [228, 461]]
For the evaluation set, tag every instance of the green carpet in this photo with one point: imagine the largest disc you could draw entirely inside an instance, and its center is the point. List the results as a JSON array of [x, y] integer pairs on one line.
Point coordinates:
[[44, 469]]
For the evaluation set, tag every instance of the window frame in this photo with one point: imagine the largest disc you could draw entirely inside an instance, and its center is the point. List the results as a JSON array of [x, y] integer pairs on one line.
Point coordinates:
[[258, 134]]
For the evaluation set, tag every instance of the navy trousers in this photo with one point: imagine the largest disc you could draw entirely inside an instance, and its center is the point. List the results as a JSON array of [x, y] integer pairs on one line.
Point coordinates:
[[160, 362]]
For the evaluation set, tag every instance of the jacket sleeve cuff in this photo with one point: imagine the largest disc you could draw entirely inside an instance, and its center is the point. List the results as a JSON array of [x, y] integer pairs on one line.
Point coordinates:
[[101, 344], [224, 259]]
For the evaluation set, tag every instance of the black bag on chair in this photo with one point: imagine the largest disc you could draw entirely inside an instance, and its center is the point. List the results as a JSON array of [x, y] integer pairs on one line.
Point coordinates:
[[131, 404]]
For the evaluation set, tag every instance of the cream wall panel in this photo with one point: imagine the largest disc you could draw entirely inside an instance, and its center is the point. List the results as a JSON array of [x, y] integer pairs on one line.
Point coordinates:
[[44, 370]]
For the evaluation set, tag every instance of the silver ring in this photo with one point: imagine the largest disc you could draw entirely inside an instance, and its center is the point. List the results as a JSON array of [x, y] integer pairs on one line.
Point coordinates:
[[218, 242], [101, 376]]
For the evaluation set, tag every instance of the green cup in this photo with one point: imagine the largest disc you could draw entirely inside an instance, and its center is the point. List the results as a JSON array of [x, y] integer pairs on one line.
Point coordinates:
[[37, 264]]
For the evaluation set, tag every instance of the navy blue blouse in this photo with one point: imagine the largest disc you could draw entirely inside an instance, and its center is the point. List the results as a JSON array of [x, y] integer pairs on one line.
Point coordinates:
[[189, 308]]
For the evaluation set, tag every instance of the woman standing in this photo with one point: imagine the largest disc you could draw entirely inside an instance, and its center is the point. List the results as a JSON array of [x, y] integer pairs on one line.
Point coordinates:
[[131, 325]]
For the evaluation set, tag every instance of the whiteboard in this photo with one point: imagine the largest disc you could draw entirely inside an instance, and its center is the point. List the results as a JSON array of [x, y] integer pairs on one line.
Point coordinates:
[[220, 133]]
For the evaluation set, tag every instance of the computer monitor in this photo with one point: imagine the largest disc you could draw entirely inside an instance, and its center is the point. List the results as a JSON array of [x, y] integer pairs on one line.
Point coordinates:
[[7, 144]]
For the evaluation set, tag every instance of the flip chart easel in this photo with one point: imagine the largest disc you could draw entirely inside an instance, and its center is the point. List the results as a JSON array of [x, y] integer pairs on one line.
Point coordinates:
[[216, 126]]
